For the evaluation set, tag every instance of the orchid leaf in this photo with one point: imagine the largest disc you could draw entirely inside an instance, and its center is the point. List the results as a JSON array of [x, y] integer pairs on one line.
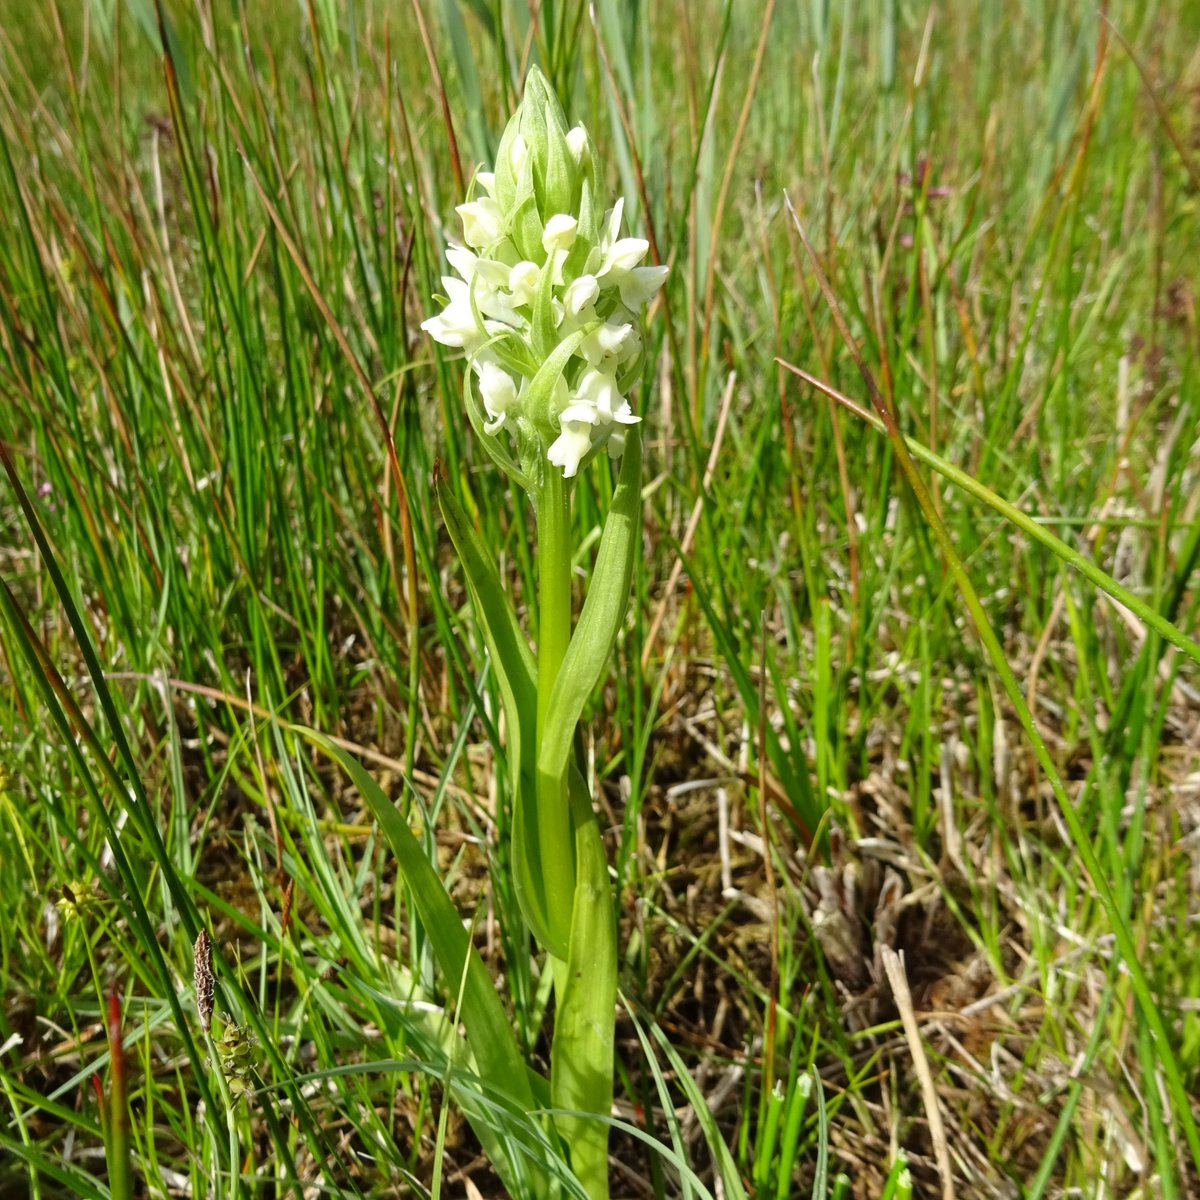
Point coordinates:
[[599, 621], [581, 1075], [516, 673]]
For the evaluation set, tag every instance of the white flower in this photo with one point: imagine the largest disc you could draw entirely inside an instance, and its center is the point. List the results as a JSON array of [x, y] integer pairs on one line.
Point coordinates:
[[594, 416], [484, 279], [610, 235], [620, 258], [570, 447], [612, 224], [462, 260], [483, 222], [498, 391], [486, 180], [598, 390], [631, 345], [559, 233], [523, 280], [488, 278], [486, 273], [609, 341], [580, 294], [455, 325]]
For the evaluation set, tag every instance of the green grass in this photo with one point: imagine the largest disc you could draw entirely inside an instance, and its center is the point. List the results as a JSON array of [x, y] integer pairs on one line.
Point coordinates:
[[211, 278]]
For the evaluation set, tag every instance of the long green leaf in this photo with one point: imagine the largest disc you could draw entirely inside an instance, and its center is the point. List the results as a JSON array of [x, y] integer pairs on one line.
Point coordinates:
[[489, 1031], [515, 672], [1023, 521], [581, 1057], [599, 621]]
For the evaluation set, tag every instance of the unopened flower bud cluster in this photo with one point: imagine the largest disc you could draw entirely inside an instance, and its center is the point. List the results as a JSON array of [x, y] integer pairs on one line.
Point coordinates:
[[542, 266]]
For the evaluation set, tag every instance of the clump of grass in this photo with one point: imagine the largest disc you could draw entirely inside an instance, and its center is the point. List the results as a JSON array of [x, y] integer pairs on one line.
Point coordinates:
[[218, 420]]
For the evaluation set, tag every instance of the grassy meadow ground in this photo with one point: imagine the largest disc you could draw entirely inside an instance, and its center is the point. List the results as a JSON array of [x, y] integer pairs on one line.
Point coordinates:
[[212, 272]]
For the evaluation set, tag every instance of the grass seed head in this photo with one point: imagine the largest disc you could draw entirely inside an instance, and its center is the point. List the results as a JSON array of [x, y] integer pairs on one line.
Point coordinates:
[[203, 979]]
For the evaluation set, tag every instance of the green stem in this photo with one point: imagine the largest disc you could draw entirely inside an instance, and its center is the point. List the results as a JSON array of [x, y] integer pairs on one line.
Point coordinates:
[[554, 581], [120, 1176], [554, 843]]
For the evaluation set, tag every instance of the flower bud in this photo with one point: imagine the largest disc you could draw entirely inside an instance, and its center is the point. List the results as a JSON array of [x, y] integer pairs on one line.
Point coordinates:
[[559, 233], [482, 222], [577, 142], [518, 154]]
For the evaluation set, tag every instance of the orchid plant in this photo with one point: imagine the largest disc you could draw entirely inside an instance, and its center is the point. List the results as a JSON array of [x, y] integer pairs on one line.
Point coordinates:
[[546, 303], [547, 306]]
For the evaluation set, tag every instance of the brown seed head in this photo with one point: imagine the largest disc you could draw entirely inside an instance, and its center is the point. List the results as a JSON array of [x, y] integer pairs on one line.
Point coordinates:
[[203, 978]]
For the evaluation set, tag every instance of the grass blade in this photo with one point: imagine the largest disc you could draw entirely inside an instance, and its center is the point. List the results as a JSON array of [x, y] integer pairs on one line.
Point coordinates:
[[489, 1031], [1027, 524], [1080, 837]]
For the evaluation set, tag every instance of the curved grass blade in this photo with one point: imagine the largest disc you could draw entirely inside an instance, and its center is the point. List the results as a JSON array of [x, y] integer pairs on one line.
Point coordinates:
[[676, 1156], [723, 1162], [687, 1182], [1023, 521], [489, 1031]]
